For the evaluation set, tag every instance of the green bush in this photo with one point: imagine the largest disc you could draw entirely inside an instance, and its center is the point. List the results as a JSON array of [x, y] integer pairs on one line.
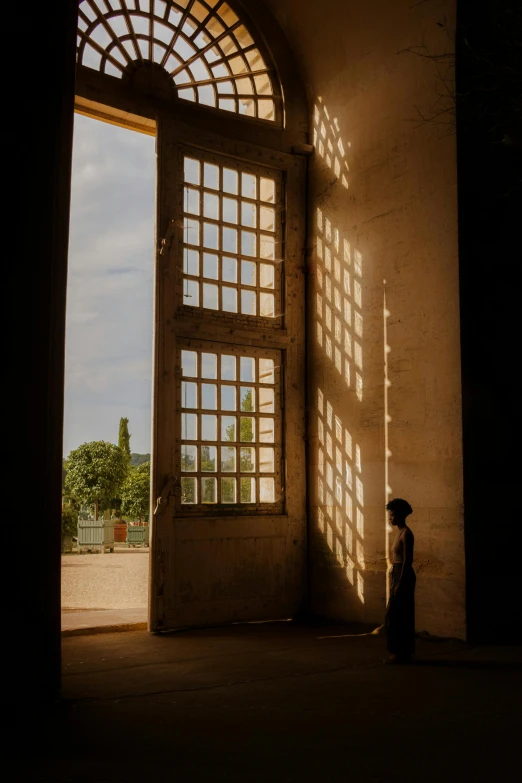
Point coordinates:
[[69, 521]]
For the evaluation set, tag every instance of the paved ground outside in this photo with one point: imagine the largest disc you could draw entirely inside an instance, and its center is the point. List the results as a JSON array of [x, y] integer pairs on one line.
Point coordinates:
[[104, 589], [278, 702]]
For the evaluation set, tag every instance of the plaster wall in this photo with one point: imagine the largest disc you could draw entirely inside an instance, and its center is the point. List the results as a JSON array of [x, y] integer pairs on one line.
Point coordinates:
[[384, 403]]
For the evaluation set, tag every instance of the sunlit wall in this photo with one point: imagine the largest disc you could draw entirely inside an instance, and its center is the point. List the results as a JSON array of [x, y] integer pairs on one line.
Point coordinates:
[[383, 320]]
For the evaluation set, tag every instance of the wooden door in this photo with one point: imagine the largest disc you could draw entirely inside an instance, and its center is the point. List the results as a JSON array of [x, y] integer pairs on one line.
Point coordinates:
[[229, 529]]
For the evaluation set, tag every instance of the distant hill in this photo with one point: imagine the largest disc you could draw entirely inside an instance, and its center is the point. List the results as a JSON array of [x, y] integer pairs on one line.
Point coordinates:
[[139, 459]]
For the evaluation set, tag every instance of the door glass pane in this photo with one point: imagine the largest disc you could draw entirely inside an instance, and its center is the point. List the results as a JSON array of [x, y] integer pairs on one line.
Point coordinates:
[[266, 400], [189, 490], [210, 235], [224, 208], [191, 293], [248, 214], [228, 428], [191, 262], [209, 490], [248, 185], [228, 490], [192, 201], [189, 394], [266, 305], [266, 276], [208, 427], [247, 398], [191, 231], [211, 206], [248, 302], [267, 188], [210, 266], [248, 369], [266, 430], [189, 426], [189, 364], [211, 176], [247, 429], [209, 396], [189, 458], [266, 371], [239, 447], [248, 459], [192, 171], [230, 181], [230, 210], [210, 296], [228, 459], [266, 460], [228, 368], [248, 490], [229, 272], [228, 398], [248, 273], [229, 299], [208, 459], [209, 365], [266, 490]]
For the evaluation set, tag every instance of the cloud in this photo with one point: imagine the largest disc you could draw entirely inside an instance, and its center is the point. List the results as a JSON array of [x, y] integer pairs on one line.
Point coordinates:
[[109, 297]]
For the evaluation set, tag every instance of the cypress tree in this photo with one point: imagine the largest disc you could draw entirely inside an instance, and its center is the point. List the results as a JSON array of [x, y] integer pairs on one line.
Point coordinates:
[[124, 438]]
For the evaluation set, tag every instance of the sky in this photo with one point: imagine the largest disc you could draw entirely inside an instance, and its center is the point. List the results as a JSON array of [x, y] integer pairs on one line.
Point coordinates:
[[108, 369]]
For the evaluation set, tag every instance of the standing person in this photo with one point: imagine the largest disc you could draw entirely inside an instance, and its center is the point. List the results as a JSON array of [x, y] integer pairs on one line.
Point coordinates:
[[400, 612]]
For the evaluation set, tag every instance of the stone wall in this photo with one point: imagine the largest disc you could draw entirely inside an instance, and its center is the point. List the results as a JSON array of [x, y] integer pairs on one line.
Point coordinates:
[[383, 307]]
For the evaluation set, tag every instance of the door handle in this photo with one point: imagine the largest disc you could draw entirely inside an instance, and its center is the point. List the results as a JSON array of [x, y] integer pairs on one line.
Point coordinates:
[[167, 239], [169, 489]]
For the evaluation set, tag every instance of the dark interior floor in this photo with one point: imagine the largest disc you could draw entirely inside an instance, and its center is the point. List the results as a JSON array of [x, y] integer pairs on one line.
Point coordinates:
[[283, 702]]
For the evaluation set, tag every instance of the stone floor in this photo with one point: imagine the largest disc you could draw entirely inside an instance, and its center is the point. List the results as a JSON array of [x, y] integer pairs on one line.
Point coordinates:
[[104, 589], [279, 702]]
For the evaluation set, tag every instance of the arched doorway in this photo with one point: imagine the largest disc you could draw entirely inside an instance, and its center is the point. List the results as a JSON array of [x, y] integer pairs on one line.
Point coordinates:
[[228, 463]]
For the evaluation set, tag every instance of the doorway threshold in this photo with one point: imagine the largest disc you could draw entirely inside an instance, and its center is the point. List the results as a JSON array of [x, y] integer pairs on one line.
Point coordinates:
[[92, 621]]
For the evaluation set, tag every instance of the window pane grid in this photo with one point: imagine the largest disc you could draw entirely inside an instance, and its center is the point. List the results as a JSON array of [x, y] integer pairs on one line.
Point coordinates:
[[206, 51], [231, 239], [230, 434]]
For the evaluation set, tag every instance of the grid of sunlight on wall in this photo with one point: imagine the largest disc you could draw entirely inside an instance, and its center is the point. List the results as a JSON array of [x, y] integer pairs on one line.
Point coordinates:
[[328, 143], [339, 320], [211, 57], [340, 493]]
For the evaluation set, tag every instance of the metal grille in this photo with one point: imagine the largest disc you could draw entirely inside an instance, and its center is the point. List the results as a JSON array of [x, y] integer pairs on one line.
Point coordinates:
[[203, 45], [229, 451], [232, 229]]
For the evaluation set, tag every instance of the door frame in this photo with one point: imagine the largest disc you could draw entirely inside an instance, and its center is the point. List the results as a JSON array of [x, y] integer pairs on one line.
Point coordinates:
[[176, 122]]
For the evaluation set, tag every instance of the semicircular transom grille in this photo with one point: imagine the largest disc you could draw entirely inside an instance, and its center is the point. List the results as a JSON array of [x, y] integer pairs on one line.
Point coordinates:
[[202, 44]]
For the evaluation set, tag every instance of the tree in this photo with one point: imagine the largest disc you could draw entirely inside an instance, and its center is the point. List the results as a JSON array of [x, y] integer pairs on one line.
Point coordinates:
[[95, 473], [246, 436], [124, 438], [69, 520], [138, 459], [135, 493]]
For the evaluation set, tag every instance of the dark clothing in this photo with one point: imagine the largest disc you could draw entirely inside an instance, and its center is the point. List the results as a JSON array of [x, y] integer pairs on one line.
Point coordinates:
[[400, 613]]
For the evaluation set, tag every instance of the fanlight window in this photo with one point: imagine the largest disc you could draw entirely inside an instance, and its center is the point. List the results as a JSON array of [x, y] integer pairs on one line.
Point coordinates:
[[204, 46]]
